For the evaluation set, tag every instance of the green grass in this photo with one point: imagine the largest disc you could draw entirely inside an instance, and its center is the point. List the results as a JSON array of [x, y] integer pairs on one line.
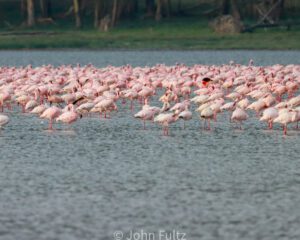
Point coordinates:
[[187, 34]]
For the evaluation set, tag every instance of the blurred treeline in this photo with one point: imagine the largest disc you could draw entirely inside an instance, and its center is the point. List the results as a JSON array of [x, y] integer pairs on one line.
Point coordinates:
[[108, 13]]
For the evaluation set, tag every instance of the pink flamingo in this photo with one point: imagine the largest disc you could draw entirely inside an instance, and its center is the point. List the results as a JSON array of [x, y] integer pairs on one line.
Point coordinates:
[[269, 115], [69, 116], [50, 114], [165, 119], [239, 115], [285, 117], [147, 113], [185, 115], [207, 114]]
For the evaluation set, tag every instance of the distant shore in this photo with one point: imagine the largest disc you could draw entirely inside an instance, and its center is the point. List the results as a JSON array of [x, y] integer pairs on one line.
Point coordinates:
[[165, 36]]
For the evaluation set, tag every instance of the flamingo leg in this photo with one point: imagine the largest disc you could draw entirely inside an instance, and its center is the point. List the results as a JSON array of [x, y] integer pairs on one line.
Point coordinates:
[[144, 124], [131, 105], [8, 106], [284, 129], [145, 101], [215, 117], [50, 124]]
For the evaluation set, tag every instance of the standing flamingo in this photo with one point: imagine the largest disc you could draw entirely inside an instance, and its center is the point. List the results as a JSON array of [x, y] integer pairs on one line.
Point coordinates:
[[165, 119], [239, 115], [269, 115], [285, 117], [69, 116], [50, 114], [207, 114]]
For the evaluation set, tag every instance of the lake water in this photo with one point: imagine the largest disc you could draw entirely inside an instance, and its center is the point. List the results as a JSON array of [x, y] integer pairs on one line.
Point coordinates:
[[144, 58], [104, 176]]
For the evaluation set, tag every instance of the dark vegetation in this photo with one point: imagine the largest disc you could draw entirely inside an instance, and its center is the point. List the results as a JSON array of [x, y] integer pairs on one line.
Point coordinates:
[[144, 24]]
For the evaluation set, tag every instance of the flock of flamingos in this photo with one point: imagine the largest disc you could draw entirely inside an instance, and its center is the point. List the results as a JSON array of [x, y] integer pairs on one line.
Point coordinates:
[[67, 93]]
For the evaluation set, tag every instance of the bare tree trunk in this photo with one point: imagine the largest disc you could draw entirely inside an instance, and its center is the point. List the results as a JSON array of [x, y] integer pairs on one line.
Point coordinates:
[[77, 13], [96, 14], [158, 10], [30, 13], [114, 13]]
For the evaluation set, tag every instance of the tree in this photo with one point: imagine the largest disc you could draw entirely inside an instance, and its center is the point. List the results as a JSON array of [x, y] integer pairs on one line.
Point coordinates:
[[76, 4], [96, 13], [163, 8], [158, 10], [45, 6], [114, 12], [30, 13]]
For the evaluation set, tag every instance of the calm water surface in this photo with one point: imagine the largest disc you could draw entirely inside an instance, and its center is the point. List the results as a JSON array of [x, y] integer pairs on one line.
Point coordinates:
[[104, 176]]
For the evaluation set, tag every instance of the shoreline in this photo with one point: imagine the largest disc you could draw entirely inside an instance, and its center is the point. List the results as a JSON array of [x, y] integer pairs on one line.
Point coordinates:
[[58, 49]]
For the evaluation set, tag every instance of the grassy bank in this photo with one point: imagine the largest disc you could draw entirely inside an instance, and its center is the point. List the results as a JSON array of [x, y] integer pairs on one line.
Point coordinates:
[[172, 34]]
